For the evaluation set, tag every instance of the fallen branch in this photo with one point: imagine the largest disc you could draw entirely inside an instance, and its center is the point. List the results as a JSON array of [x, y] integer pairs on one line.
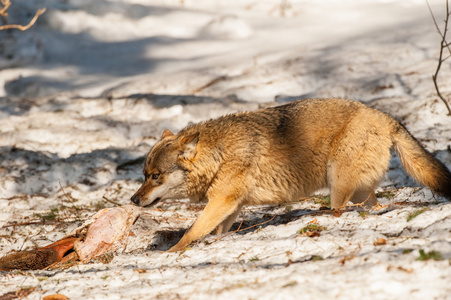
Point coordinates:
[[72, 202], [21, 27], [39, 223], [350, 256], [239, 230], [210, 83], [111, 201], [361, 204], [6, 4]]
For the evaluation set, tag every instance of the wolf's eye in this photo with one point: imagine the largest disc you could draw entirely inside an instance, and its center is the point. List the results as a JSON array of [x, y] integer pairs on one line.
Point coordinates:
[[155, 176]]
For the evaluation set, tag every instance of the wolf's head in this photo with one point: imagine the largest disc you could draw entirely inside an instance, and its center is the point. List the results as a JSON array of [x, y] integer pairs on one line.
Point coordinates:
[[164, 174]]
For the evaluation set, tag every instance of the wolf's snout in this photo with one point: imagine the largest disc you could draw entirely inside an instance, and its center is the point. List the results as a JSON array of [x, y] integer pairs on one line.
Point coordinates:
[[136, 199]]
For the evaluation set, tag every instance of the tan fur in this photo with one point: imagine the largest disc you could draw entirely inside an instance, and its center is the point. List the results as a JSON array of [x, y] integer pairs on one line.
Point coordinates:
[[280, 154]]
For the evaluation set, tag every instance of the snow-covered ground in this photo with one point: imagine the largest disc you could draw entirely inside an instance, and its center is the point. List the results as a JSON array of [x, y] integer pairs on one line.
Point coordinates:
[[89, 89]]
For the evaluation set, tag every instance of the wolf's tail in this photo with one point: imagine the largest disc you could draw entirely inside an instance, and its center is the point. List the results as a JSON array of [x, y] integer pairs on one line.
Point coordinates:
[[420, 164]]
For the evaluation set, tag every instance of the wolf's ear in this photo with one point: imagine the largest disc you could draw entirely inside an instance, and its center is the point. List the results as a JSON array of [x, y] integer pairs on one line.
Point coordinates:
[[166, 133], [188, 146]]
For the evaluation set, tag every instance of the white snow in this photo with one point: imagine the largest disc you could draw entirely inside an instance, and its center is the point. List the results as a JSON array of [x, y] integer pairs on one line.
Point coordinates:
[[87, 91]]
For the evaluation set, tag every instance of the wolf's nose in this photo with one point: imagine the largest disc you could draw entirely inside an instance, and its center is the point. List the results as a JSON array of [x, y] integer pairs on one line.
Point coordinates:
[[135, 199]]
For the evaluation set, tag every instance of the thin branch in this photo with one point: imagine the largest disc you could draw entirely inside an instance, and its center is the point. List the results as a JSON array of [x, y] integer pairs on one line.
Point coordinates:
[[21, 27], [67, 197], [443, 44], [433, 18], [239, 230], [111, 201], [448, 14], [39, 223], [361, 204], [71, 200], [6, 4], [210, 83]]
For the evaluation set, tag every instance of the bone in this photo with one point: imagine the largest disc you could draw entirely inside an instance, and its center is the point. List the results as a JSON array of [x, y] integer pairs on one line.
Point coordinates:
[[107, 231]]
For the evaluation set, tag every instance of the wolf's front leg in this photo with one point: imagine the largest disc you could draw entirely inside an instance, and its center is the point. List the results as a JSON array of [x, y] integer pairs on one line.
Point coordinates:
[[216, 211]]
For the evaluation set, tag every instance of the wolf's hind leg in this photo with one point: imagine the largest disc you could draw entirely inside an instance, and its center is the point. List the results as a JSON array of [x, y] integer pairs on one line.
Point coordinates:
[[365, 195], [340, 195], [343, 191], [341, 186]]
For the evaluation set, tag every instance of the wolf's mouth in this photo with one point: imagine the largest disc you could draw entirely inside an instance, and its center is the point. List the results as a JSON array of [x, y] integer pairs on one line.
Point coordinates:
[[154, 202]]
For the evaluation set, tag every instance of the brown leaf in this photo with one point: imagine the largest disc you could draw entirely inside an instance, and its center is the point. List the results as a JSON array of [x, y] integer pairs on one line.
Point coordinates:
[[346, 258], [380, 242], [405, 270], [289, 262], [337, 213], [141, 271], [399, 268], [55, 297], [312, 234]]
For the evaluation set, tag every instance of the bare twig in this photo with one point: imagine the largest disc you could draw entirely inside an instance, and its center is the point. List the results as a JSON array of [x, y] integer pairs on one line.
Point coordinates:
[[6, 4], [244, 229], [443, 45], [361, 204], [77, 213], [21, 27], [24, 241], [111, 201], [350, 256], [379, 206], [210, 83], [38, 223], [230, 232], [67, 197]]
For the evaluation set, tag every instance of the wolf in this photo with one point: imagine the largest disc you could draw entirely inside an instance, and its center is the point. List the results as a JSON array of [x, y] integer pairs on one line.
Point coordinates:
[[280, 154]]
